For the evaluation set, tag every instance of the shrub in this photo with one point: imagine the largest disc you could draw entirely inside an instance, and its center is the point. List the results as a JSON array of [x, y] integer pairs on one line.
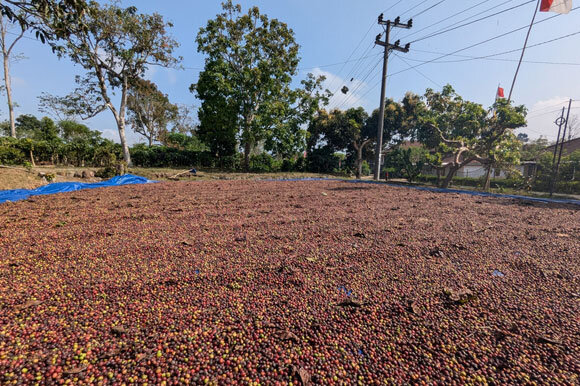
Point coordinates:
[[264, 163], [539, 185], [323, 160], [366, 169], [287, 165], [106, 172], [163, 156], [10, 153]]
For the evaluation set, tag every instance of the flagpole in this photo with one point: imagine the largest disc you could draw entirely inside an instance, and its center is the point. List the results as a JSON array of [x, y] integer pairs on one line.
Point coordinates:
[[523, 50]]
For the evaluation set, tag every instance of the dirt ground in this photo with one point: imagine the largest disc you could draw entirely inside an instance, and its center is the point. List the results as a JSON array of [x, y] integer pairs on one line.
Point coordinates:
[[20, 178], [312, 282]]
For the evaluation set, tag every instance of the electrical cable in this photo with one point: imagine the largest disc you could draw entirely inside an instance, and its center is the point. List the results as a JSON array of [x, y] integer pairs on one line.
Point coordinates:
[[427, 9], [507, 52], [482, 42], [450, 17], [419, 72], [440, 32]]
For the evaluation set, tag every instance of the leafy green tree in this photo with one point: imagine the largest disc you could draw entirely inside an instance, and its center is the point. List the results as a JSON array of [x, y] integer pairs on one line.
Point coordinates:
[[523, 137], [115, 49], [26, 126], [344, 129], [183, 122], [288, 138], [409, 162], [183, 141], [149, 110], [249, 67], [465, 130], [532, 149], [46, 131], [217, 115], [71, 130]]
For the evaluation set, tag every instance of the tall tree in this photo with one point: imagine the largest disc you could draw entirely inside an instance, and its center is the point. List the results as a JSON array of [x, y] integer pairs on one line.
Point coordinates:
[[184, 122], [343, 130], [255, 58], [289, 136], [149, 110], [7, 46], [218, 114], [466, 131], [116, 48]]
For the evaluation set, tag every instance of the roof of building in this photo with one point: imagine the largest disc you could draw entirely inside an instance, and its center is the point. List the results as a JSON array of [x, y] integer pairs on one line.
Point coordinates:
[[568, 146]]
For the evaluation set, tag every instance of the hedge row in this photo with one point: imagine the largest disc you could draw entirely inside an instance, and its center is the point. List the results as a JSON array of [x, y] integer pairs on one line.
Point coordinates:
[[565, 187]]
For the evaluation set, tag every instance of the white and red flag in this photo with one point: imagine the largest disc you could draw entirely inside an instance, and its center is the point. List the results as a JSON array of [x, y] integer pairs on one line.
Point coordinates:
[[500, 92], [558, 6]]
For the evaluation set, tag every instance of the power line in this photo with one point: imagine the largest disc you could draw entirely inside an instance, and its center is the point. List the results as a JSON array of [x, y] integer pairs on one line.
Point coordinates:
[[412, 8], [482, 42], [549, 112], [419, 72], [353, 51], [427, 9], [336, 64], [440, 32], [352, 93], [509, 52], [397, 3], [452, 16]]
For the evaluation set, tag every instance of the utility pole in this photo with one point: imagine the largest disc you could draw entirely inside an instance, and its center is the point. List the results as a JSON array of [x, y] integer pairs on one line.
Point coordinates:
[[562, 143], [560, 122], [388, 48]]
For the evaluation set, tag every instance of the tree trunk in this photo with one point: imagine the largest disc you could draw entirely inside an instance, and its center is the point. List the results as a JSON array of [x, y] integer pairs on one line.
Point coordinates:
[[32, 158], [449, 177], [487, 184], [121, 124], [247, 150], [8, 86], [359, 163], [150, 141]]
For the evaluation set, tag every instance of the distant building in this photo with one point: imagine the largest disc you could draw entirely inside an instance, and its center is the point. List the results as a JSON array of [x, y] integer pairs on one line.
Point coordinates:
[[569, 147]]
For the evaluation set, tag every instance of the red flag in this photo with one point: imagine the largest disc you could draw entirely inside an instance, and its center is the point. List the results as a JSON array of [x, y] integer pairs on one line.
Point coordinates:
[[500, 92], [558, 6]]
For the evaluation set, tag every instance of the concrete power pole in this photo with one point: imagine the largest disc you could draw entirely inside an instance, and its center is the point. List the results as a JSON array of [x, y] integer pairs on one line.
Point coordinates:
[[388, 48]]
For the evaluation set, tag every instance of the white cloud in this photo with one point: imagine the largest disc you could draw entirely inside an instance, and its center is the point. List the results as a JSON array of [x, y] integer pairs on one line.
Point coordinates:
[[542, 115], [334, 83]]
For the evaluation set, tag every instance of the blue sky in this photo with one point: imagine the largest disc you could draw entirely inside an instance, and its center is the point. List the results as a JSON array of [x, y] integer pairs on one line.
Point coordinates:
[[334, 31]]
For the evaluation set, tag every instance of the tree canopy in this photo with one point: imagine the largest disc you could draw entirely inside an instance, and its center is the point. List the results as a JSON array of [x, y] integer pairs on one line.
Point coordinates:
[[249, 67], [452, 126], [116, 48], [149, 110]]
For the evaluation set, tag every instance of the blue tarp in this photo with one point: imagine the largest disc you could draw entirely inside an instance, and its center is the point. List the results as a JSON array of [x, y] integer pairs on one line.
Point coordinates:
[[61, 187]]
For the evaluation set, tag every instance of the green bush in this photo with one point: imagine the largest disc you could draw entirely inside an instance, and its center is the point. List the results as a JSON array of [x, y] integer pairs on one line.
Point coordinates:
[[366, 169], [106, 172], [264, 163], [323, 160], [163, 156], [538, 185], [287, 165], [11, 153]]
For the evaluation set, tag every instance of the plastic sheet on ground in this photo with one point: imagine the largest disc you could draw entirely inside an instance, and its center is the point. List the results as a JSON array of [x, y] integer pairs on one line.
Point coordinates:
[[61, 187]]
